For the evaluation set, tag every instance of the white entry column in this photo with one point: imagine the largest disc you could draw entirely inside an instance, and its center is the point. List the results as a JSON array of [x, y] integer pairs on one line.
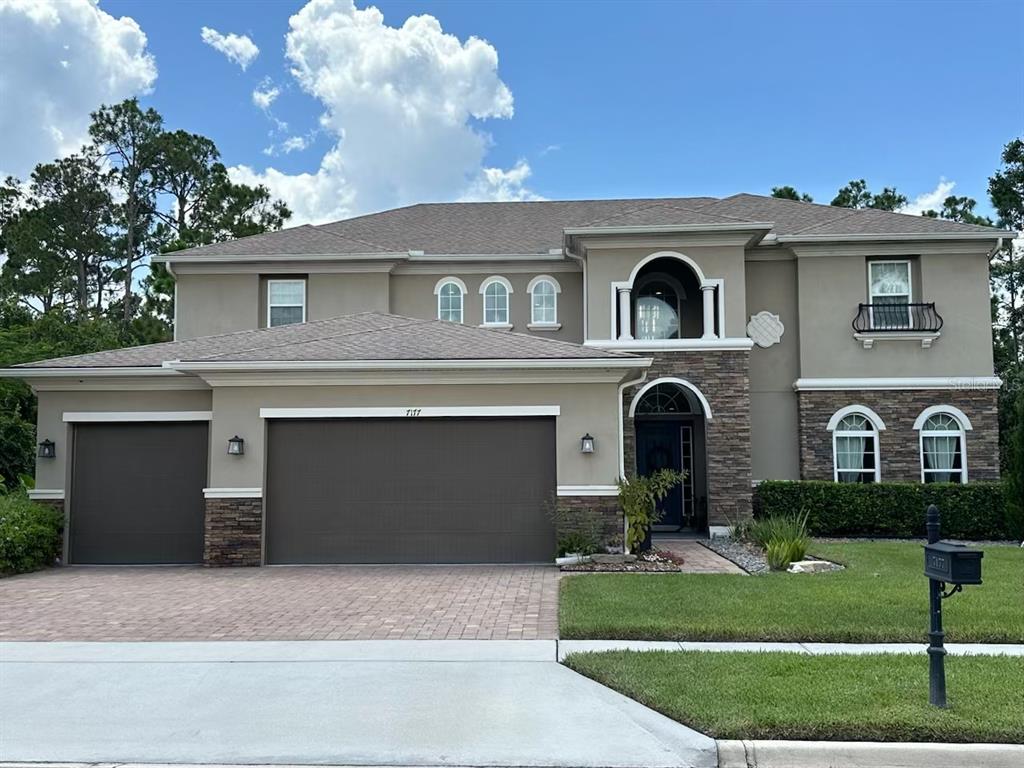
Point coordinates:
[[708, 294], [625, 315]]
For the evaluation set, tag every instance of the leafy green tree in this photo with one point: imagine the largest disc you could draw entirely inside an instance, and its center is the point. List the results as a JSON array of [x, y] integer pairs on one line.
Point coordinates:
[[790, 193], [857, 195], [131, 140], [1015, 465], [959, 209]]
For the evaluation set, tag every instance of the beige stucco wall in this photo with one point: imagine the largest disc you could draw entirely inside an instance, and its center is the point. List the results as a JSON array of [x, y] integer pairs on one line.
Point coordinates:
[[51, 474], [774, 418], [211, 304], [605, 266], [584, 408], [413, 295], [333, 294], [830, 287]]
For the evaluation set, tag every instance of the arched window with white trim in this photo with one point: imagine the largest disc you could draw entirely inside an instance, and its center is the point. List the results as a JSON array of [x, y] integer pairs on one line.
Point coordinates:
[[943, 444], [451, 293], [544, 292], [855, 456], [496, 292]]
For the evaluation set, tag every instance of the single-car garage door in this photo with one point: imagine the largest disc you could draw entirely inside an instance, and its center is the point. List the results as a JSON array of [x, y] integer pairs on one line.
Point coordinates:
[[416, 490], [137, 493]]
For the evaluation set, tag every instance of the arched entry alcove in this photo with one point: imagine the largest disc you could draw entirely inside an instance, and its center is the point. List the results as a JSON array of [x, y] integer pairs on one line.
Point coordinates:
[[669, 418]]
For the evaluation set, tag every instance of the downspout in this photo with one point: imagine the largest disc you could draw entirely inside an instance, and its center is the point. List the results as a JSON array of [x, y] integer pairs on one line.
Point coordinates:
[[622, 448], [583, 262]]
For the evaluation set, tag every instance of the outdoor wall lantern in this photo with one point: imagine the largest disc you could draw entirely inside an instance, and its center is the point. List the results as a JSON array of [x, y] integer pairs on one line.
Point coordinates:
[[47, 449], [587, 443], [236, 446]]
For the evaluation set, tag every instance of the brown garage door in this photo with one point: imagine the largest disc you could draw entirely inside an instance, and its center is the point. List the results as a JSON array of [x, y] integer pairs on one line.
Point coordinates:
[[423, 490], [137, 493]]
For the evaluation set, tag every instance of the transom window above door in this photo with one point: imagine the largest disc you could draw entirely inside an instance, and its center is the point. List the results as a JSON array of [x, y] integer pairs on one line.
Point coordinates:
[[889, 292], [286, 302]]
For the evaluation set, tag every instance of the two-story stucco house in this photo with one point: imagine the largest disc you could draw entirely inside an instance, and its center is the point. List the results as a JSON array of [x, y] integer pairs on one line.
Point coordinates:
[[421, 385]]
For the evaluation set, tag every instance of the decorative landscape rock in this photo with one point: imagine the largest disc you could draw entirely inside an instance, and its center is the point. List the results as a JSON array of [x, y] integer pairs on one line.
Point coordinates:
[[813, 566]]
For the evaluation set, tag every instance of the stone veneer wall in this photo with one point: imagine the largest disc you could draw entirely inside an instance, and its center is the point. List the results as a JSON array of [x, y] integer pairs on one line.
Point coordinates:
[[233, 532], [600, 515], [724, 379], [898, 443]]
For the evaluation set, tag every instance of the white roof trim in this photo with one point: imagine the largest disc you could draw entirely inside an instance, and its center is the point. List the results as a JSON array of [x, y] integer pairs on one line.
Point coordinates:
[[227, 257], [386, 365], [933, 382], [952, 410], [862, 410], [737, 343], [42, 373], [409, 412], [125, 416], [870, 237]]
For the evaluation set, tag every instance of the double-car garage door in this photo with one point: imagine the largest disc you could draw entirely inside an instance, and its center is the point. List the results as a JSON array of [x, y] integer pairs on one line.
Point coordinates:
[[364, 490]]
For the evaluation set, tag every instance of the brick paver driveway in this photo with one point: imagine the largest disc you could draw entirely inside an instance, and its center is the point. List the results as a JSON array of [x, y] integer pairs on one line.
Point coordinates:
[[282, 603]]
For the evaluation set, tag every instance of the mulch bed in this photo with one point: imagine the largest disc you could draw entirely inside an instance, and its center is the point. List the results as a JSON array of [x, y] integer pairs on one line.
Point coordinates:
[[652, 561]]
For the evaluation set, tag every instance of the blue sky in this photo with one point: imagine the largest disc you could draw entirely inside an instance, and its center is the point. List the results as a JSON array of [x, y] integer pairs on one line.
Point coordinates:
[[625, 99]]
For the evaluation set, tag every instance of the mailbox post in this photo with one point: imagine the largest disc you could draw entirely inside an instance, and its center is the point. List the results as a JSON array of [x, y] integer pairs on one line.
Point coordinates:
[[944, 563]]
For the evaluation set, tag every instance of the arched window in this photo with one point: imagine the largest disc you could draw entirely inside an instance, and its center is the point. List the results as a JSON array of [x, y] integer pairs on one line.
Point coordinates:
[[496, 291], [943, 445], [544, 292], [450, 299], [659, 299], [855, 456], [663, 399]]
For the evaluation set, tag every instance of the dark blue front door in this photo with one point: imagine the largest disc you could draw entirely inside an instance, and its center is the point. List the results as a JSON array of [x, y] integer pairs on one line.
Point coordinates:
[[659, 446]]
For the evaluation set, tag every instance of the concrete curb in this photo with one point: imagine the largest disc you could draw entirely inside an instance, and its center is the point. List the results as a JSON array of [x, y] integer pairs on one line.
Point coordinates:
[[566, 647], [865, 754]]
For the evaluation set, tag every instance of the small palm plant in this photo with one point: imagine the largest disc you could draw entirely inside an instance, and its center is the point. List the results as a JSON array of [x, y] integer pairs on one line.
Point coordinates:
[[639, 498]]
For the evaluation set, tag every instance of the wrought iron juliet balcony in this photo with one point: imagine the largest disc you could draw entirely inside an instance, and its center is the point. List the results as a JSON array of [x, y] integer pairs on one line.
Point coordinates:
[[880, 321]]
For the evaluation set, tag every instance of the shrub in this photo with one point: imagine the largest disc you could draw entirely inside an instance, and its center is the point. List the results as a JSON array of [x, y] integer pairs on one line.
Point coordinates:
[[785, 527], [639, 497], [576, 543], [781, 552], [974, 511], [29, 534], [1015, 477]]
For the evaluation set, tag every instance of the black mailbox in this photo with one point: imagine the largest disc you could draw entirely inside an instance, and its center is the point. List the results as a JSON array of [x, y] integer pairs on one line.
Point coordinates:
[[952, 563]]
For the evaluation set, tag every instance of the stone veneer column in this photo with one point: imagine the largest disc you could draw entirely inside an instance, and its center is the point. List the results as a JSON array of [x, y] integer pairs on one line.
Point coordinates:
[[723, 376], [600, 515], [899, 443], [233, 532]]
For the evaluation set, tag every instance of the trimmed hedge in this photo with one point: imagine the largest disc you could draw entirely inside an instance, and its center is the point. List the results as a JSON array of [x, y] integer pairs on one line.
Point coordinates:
[[975, 511], [29, 534]]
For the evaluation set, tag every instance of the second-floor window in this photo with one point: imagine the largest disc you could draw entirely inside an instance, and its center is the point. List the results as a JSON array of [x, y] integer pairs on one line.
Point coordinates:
[[286, 302], [543, 301], [496, 291], [889, 289], [450, 297]]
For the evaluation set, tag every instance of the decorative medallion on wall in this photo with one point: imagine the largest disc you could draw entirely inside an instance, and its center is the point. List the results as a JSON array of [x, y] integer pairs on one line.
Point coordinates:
[[765, 329]]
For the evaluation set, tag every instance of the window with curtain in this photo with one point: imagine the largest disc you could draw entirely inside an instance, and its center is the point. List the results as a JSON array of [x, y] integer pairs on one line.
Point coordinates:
[[544, 303], [496, 304], [855, 449], [450, 302], [889, 283], [286, 302], [942, 450]]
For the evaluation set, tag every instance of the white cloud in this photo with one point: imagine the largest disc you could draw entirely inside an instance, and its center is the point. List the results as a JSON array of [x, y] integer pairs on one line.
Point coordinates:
[[289, 145], [264, 95], [238, 48], [929, 200], [59, 61], [401, 104]]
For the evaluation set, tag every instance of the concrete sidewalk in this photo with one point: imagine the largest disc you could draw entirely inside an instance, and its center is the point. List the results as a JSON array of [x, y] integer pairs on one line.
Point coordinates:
[[566, 647], [396, 703]]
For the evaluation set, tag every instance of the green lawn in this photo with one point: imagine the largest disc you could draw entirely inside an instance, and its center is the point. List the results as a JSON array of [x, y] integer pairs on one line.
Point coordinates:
[[881, 596], [841, 698]]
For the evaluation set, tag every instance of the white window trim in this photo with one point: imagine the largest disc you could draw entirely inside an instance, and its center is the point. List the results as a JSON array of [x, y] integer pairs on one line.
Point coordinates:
[[539, 325], [878, 426], [961, 419], [910, 287], [133, 416], [507, 323], [270, 305], [462, 298], [414, 412]]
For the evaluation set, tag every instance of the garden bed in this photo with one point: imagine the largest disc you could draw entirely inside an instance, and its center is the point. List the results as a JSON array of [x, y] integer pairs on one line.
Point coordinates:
[[652, 561]]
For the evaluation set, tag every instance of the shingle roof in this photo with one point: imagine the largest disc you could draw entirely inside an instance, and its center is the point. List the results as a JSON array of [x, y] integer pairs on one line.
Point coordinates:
[[524, 228], [365, 336]]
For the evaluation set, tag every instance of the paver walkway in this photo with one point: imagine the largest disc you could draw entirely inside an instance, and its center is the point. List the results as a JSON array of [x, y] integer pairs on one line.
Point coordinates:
[[697, 558], [281, 603]]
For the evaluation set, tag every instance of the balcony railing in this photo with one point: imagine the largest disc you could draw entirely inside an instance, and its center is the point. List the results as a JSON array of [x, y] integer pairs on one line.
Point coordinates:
[[897, 318]]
